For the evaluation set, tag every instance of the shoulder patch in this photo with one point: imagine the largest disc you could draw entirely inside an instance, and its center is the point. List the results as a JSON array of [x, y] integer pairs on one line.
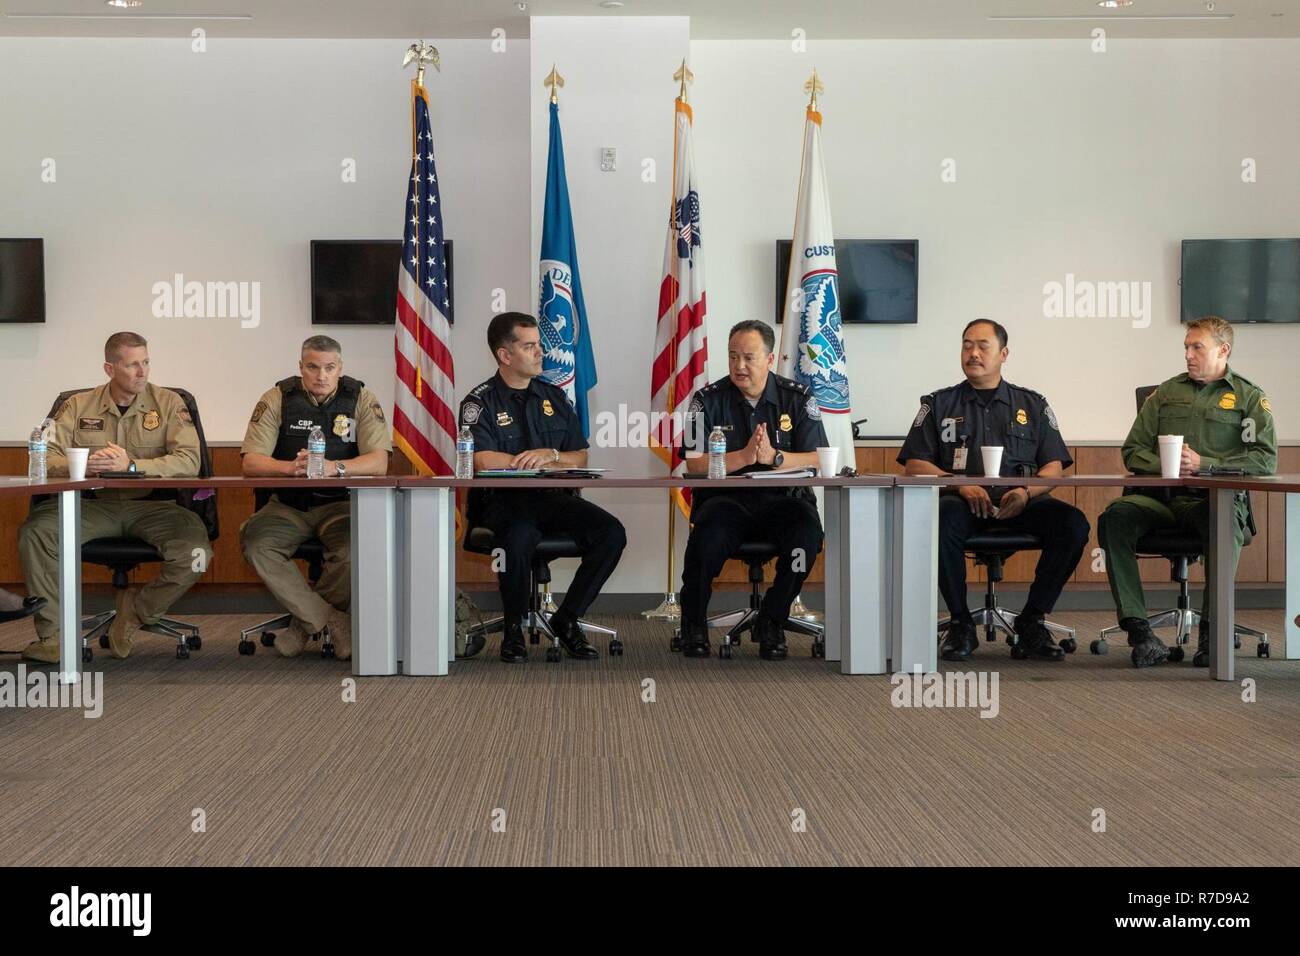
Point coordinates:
[[184, 415], [470, 412], [1051, 417], [813, 409], [1263, 403], [697, 405], [921, 414], [258, 411], [377, 410]]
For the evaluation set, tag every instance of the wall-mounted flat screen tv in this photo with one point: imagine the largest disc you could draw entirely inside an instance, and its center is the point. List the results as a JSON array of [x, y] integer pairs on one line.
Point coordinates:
[[22, 280], [354, 281], [877, 280], [1241, 280]]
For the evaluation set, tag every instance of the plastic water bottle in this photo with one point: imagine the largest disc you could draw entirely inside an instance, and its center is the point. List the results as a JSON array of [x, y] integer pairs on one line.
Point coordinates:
[[316, 453], [464, 453], [717, 453], [36, 449]]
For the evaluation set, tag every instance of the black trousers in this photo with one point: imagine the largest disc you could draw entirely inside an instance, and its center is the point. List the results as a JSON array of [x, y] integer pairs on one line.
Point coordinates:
[[520, 519], [1061, 526], [721, 523]]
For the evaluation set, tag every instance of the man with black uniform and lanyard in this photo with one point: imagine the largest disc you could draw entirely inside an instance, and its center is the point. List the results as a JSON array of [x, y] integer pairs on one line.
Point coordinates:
[[275, 445], [770, 422], [518, 420], [946, 438]]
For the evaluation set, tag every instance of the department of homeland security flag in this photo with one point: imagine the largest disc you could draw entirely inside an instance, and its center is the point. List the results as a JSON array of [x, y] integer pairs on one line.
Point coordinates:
[[561, 315], [812, 340], [424, 416], [681, 346]]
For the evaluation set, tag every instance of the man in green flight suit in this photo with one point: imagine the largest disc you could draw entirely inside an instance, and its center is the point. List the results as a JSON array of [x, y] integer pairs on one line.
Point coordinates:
[[1226, 422]]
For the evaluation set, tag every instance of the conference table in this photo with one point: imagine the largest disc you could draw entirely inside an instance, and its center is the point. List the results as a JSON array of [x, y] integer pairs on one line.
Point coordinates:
[[881, 558], [916, 501]]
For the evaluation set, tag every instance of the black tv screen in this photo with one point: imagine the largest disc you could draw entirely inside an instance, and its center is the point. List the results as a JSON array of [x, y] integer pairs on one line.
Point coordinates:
[[877, 280], [354, 281], [1241, 280], [22, 280]]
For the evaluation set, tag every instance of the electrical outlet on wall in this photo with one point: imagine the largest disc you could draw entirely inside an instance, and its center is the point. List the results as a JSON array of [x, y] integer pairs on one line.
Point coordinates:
[[608, 159]]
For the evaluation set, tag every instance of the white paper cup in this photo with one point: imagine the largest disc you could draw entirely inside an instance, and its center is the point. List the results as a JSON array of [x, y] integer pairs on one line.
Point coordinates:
[[1171, 455], [992, 455], [828, 461], [77, 463]]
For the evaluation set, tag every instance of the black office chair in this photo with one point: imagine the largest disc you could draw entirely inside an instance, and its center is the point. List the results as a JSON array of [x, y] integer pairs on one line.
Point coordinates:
[[538, 620], [991, 548], [313, 552], [124, 555], [1181, 547], [755, 554]]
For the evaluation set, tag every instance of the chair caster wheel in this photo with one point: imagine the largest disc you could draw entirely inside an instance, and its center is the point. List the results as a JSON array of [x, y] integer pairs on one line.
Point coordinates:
[[1261, 650], [194, 642], [675, 642], [534, 637], [247, 647], [1099, 647], [1069, 645], [615, 647], [1176, 655], [724, 652], [182, 652], [103, 641], [552, 655], [1236, 642], [327, 652], [87, 655], [819, 650], [268, 639]]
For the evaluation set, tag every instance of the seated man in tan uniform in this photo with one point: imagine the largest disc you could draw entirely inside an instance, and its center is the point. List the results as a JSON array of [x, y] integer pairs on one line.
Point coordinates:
[[129, 425], [356, 443]]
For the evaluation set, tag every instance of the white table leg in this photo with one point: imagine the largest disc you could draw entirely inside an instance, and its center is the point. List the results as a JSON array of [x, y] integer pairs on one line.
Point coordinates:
[[1223, 517], [374, 581], [857, 578], [915, 583], [1292, 585], [428, 616], [69, 587]]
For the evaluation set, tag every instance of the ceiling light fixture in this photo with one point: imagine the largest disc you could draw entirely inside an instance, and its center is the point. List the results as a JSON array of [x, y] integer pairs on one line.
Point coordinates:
[[125, 4], [132, 18], [1113, 4]]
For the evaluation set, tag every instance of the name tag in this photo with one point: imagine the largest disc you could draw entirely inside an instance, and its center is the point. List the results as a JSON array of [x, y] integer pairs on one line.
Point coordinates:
[[90, 424], [959, 459]]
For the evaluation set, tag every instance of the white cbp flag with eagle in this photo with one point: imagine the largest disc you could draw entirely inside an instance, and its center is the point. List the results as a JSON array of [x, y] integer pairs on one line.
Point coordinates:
[[812, 339]]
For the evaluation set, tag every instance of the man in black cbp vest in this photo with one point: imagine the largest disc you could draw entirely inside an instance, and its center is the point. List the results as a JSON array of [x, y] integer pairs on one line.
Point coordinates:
[[357, 442]]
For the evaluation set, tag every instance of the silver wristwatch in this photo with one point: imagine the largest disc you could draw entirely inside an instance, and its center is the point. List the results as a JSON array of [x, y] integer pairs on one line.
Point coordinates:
[[341, 468]]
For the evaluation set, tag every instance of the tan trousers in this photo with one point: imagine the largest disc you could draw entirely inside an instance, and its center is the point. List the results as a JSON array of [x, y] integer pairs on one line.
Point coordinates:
[[273, 534], [177, 533]]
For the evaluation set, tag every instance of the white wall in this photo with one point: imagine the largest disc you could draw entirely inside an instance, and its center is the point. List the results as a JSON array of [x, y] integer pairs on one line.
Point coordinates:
[[1067, 160], [223, 166]]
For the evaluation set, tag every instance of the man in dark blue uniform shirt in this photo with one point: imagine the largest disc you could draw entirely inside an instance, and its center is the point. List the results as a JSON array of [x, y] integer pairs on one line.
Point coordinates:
[[946, 437], [770, 422], [520, 421]]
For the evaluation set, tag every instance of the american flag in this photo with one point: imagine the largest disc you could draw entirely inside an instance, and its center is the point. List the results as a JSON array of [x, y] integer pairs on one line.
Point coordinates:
[[424, 420], [681, 346]]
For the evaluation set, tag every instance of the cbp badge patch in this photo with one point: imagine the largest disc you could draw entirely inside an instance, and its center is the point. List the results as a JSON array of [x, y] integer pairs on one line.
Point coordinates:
[[470, 413], [1263, 403], [1021, 417], [151, 420], [341, 425], [1228, 400], [546, 407], [786, 424]]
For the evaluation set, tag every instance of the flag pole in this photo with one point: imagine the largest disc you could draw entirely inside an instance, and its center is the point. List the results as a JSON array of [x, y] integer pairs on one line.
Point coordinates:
[[668, 609], [798, 610]]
